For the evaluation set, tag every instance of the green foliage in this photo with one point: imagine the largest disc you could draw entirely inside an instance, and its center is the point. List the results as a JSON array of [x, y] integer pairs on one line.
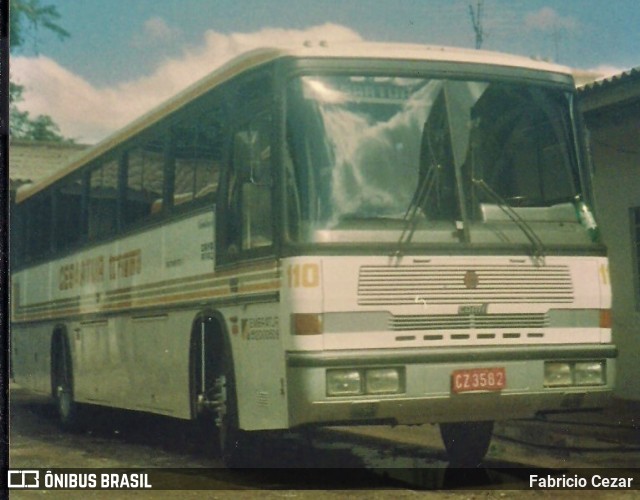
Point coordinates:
[[25, 18], [23, 127]]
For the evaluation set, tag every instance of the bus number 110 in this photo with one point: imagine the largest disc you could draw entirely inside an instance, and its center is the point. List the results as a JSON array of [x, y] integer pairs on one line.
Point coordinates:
[[303, 275]]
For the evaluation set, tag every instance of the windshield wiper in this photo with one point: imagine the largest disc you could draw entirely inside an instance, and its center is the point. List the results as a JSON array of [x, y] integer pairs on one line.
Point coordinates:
[[410, 217], [538, 246]]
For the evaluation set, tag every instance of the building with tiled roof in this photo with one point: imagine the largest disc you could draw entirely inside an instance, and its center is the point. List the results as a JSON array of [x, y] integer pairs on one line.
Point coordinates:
[[615, 89], [32, 161], [611, 108]]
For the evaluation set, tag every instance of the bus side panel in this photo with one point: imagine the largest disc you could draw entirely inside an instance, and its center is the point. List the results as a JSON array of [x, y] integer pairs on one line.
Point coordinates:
[[31, 341], [259, 362], [130, 363], [161, 362], [156, 360], [99, 373], [30, 356], [136, 363], [128, 309]]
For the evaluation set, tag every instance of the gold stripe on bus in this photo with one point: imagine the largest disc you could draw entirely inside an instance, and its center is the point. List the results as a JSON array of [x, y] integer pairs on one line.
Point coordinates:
[[157, 284], [50, 315], [269, 286], [165, 290], [177, 299], [273, 286], [129, 298], [134, 303], [224, 285], [196, 281], [215, 283], [223, 277]]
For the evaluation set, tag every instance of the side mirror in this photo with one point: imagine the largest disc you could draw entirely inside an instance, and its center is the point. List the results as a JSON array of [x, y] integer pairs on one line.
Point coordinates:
[[252, 159], [260, 166]]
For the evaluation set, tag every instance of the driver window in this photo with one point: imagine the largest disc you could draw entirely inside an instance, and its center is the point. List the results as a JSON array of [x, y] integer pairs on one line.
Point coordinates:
[[252, 184]]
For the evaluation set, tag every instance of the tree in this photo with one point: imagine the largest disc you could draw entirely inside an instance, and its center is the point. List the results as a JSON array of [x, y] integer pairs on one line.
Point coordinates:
[[25, 15], [25, 18], [23, 127]]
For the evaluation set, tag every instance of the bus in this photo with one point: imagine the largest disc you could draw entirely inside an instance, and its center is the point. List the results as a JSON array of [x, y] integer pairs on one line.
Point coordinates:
[[330, 234]]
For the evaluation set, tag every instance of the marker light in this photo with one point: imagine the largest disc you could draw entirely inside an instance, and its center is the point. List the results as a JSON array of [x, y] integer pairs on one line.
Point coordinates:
[[306, 324], [605, 318]]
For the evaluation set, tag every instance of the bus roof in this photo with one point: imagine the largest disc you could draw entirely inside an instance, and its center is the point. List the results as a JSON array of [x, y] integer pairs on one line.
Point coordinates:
[[257, 57], [377, 50]]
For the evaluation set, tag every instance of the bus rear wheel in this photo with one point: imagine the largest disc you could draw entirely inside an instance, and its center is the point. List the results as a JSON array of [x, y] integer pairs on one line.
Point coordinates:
[[62, 372], [466, 442]]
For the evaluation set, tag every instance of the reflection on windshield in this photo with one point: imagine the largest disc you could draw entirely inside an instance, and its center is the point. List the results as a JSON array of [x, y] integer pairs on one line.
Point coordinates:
[[360, 148]]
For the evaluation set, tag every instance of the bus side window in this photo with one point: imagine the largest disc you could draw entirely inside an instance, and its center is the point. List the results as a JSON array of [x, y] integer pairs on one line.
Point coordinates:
[[145, 182], [103, 195], [252, 165], [198, 156], [38, 229], [68, 214]]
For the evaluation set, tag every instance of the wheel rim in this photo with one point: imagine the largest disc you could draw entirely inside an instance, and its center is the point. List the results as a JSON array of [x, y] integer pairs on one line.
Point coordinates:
[[64, 387], [221, 410], [65, 401], [226, 420]]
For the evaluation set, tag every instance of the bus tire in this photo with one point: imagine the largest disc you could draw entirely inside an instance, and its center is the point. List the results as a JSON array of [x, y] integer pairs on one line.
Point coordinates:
[[466, 443], [233, 441], [62, 384]]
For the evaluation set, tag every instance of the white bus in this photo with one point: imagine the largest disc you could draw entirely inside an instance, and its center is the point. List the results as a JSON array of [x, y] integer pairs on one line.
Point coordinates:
[[325, 235]]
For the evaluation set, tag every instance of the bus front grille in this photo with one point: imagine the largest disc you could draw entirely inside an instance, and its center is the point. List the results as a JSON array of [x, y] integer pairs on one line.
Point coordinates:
[[467, 321], [427, 284]]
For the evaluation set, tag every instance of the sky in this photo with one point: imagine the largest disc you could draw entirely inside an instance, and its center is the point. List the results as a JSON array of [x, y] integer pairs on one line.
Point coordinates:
[[125, 56]]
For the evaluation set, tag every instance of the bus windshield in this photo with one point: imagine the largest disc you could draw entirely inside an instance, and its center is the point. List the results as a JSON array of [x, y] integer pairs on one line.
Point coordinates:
[[459, 161]]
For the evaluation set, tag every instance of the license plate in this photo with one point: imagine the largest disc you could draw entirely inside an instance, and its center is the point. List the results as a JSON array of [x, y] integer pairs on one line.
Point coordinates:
[[478, 379]]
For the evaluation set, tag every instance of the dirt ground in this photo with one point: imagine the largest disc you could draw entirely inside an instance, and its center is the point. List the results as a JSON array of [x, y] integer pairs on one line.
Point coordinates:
[[123, 440]]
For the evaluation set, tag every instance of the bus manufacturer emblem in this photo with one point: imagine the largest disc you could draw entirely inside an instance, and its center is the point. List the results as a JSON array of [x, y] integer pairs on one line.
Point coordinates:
[[471, 280]]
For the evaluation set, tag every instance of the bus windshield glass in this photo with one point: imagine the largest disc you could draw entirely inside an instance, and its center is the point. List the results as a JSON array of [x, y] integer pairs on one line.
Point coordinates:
[[456, 161]]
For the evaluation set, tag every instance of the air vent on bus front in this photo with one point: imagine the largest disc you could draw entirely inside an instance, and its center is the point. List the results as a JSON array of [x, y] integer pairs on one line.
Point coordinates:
[[449, 284], [467, 321]]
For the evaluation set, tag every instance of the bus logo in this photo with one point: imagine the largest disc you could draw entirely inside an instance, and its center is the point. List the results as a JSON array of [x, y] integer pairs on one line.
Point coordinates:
[[471, 280], [23, 478]]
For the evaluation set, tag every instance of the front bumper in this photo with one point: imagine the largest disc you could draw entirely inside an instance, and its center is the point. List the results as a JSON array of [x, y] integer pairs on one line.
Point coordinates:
[[427, 395]]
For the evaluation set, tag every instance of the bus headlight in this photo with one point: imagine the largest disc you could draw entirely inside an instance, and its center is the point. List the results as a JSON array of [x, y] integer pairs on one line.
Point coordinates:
[[365, 381], [576, 373], [344, 383], [382, 381], [589, 373], [557, 374]]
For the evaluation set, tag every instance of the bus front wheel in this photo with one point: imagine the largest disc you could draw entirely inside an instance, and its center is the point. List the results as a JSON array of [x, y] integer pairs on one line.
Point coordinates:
[[466, 442], [232, 440]]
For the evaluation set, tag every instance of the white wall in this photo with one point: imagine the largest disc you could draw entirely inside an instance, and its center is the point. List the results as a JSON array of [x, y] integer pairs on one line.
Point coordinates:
[[615, 146]]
